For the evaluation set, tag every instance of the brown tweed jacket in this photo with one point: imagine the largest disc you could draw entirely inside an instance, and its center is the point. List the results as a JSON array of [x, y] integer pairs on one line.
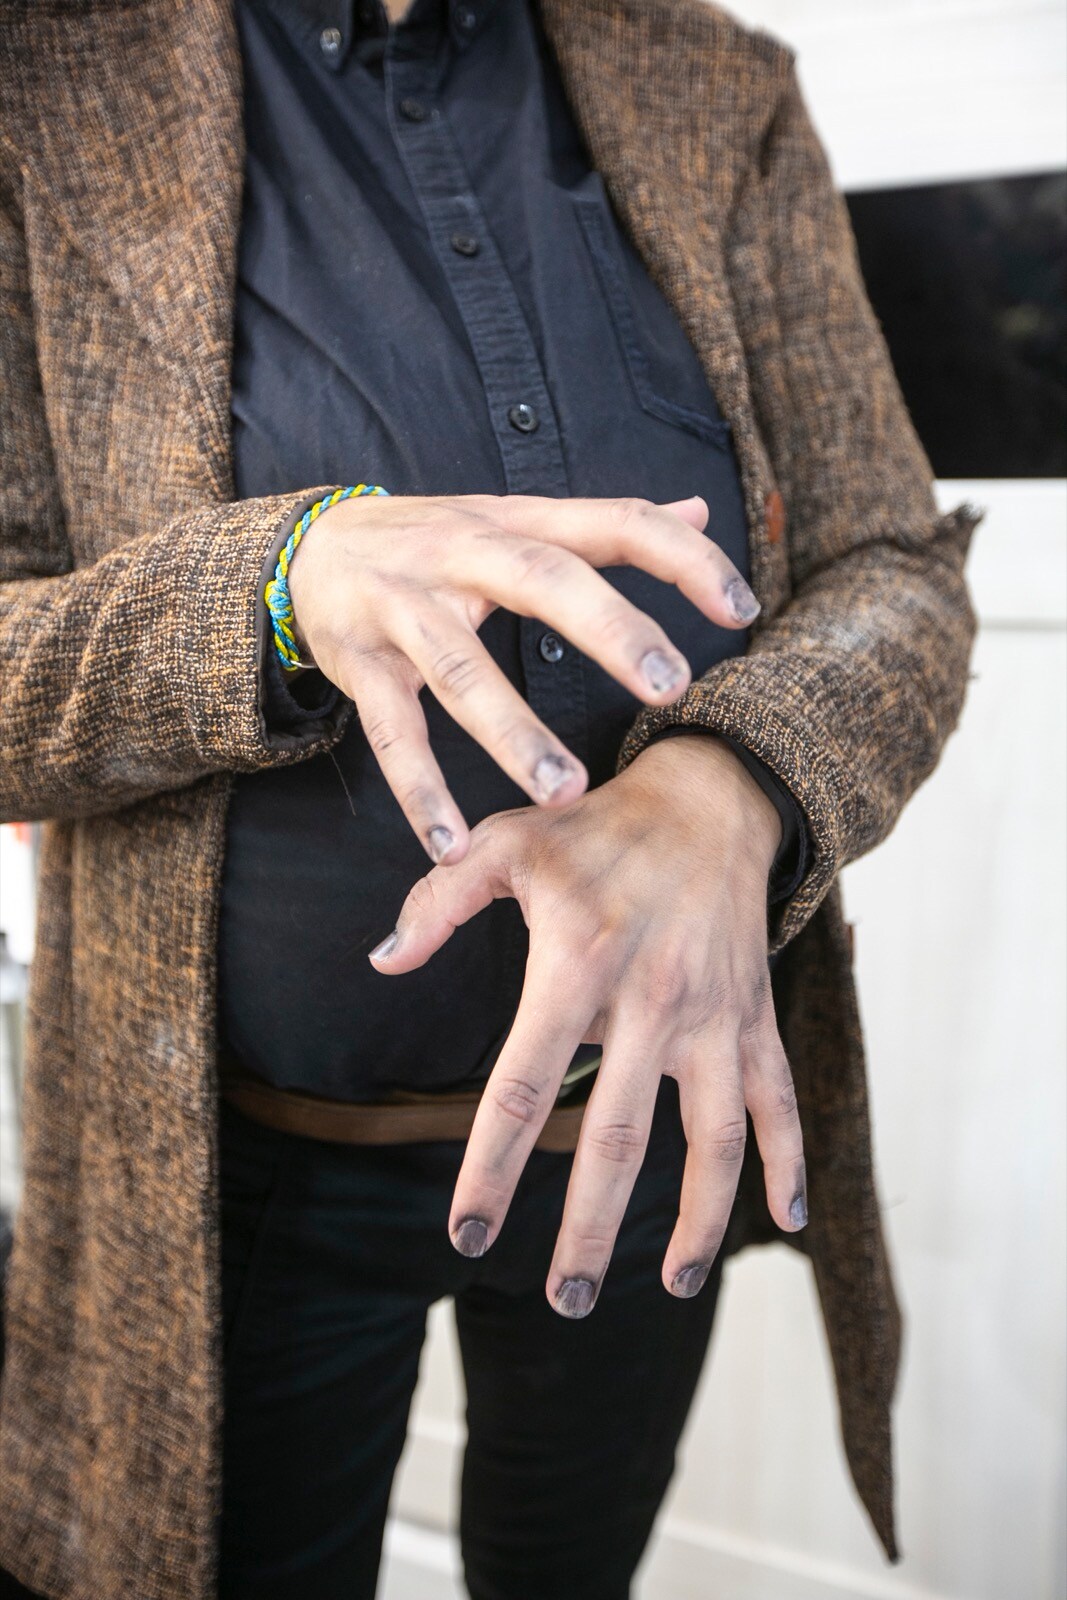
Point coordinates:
[[129, 671]]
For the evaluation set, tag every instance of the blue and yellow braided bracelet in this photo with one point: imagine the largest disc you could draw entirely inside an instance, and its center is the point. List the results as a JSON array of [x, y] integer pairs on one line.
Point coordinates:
[[276, 594]]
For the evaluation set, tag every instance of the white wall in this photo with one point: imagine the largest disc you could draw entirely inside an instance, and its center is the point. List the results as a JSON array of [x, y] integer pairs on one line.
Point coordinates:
[[961, 959], [915, 91]]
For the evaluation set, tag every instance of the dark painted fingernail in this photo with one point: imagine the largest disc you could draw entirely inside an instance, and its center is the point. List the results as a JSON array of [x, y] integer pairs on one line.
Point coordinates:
[[386, 947], [440, 842], [798, 1211], [741, 600], [550, 774], [661, 673], [575, 1297], [471, 1238], [690, 1281]]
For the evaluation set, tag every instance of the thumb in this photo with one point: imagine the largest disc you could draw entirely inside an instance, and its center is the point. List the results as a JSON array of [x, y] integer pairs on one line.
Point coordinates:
[[443, 900]]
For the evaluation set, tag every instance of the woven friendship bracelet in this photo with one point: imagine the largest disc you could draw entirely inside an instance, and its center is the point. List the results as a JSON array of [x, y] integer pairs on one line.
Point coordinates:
[[276, 594]]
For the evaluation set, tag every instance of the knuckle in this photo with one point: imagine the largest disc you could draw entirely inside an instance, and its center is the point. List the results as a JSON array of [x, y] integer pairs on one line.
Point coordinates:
[[544, 563], [760, 997], [615, 625], [666, 987], [382, 733], [727, 1142], [712, 1003], [590, 1238], [517, 733], [758, 1019], [456, 672], [592, 952], [621, 1142], [519, 1099], [422, 897], [626, 510], [785, 1100], [349, 639]]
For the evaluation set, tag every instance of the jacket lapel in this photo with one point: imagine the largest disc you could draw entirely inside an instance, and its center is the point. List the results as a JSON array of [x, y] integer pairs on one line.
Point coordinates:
[[153, 91]]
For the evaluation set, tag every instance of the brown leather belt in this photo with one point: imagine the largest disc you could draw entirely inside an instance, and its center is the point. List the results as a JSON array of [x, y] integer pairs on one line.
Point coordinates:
[[406, 1118]]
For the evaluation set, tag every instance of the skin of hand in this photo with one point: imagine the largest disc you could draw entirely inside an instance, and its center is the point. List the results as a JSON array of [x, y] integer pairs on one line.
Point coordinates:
[[646, 904], [388, 594]]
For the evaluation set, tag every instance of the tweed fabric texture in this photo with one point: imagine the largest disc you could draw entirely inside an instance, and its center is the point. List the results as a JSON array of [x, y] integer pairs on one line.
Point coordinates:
[[131, 633]]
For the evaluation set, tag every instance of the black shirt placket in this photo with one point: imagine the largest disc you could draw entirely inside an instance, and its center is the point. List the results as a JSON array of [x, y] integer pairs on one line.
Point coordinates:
[[520, 407]]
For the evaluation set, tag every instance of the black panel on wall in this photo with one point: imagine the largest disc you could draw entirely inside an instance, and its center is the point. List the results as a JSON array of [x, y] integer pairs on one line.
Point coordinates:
[[969, 281]]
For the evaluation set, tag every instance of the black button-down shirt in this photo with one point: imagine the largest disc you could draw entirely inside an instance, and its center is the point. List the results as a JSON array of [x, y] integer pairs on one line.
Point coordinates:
[[434, 294]]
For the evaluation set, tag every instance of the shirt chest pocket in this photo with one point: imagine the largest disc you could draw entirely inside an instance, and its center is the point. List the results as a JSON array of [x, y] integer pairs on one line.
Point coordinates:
[[663, 367]]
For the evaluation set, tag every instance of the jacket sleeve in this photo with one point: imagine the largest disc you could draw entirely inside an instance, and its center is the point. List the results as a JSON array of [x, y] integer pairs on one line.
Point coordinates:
[[143, 671], [849, 692]]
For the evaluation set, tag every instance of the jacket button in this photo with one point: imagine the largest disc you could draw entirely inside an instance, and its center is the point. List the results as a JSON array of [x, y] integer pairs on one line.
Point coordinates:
[[524, 418], [774, 516], [330, 41], [464, 244], [551, 647], [413, 110]]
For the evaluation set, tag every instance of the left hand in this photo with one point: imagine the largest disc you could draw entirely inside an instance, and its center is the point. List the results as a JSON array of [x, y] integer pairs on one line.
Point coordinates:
[[646, 901]]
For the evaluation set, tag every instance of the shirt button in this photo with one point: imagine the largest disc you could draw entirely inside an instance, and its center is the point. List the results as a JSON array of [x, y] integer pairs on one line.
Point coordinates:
[[524, 418], [465, 244], [330, 42], [413, 110], [465, 18], [551, 647]]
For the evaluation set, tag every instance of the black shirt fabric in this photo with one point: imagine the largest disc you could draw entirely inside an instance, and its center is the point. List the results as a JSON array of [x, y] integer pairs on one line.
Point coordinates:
[[434, 294]]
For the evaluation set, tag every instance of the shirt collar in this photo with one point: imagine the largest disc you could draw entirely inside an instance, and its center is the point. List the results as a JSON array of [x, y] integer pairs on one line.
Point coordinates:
[[333, 25]]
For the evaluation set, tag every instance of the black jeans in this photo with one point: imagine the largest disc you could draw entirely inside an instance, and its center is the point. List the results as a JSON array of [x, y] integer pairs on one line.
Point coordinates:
[[332, 1256]]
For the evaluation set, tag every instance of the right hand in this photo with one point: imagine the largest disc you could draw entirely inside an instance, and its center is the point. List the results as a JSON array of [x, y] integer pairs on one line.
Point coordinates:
[[388, 594]]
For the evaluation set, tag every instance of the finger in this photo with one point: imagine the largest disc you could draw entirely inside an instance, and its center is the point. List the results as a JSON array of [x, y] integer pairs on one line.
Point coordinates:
[[713, 1115], [462, 675], [611, 1148], [552, 1018], [772, 1104], [394, 724], [637, 533], [447, 897], [693, 509], [534, 579]]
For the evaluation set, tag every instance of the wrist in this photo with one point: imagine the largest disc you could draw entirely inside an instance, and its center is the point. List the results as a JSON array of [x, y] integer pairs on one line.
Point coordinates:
[[289, 636], [700, 772]]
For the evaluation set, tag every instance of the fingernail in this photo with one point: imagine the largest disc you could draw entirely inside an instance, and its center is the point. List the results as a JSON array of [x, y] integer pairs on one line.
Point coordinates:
[[798, 1211], [575, 1297], [386, 947], [471, 1238], [661, 673], [741, 600], [550, 774], [690, 1281], [440, 841]]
